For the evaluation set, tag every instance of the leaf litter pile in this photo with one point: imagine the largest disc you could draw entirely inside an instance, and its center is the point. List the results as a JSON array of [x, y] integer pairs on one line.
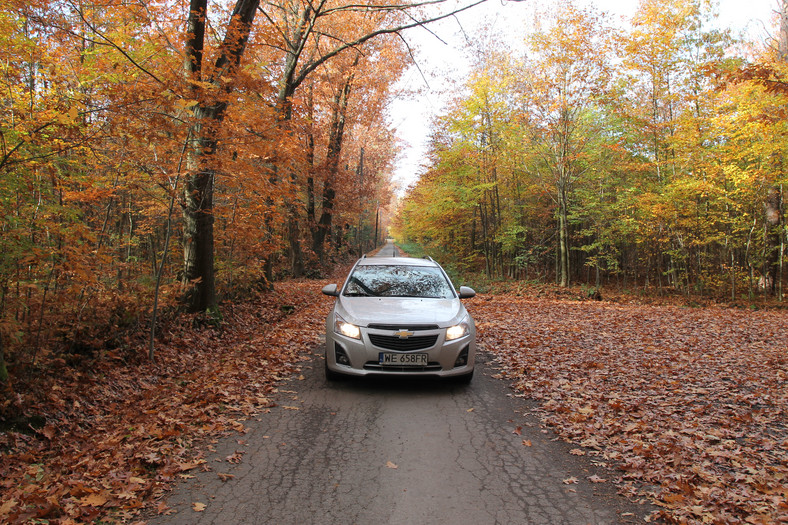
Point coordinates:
[[119, 430], [688, 404]]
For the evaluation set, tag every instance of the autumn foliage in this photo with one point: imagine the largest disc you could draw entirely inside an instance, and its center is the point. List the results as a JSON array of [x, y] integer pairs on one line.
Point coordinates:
[[641, 155], [175, 153]]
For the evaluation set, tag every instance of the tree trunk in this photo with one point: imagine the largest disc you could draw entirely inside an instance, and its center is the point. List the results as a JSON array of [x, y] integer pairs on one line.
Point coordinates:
[[773, 206], [563, 238], [198, 250], [773, 236], [336, 135], [3, 369]]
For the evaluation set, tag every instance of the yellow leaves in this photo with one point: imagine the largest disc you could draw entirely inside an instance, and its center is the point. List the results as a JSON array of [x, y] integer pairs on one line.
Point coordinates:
[[198, 507], [391, 465], [68, 117], [184, 104]]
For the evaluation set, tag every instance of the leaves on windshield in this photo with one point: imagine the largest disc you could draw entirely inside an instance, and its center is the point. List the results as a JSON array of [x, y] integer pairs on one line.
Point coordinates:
[[398, 281]]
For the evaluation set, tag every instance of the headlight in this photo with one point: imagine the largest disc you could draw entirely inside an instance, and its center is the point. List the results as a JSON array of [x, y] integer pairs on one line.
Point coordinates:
[[346, 329], [458, 330]]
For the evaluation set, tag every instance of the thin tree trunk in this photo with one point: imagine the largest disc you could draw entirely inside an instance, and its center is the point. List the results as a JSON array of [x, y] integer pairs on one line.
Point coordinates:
[[3, 369]]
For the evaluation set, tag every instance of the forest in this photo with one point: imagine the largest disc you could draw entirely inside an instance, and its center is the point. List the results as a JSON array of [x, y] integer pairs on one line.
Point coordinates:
[[154, 152], [179, 178], [647, 157], [163, 156]]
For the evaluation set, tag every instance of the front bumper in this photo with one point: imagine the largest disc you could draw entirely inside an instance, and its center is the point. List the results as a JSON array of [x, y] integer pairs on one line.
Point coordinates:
[[361, 357]]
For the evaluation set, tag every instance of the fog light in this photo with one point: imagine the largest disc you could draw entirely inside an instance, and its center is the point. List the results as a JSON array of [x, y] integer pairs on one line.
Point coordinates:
[[340, 355], [462, 359]]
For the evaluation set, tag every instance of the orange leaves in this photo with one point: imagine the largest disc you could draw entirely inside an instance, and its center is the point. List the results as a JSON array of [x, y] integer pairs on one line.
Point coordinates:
[[691, 401], [115, 437]]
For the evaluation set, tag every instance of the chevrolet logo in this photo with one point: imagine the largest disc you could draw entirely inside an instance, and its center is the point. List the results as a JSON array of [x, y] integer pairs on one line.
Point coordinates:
[[403, 334]]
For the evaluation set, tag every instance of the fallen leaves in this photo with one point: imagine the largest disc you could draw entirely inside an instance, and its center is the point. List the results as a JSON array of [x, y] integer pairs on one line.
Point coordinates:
[[689, 404], [117, 435], [391, 465]]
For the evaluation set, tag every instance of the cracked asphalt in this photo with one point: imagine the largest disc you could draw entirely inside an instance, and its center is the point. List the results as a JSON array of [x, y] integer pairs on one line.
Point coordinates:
[[397, 452]]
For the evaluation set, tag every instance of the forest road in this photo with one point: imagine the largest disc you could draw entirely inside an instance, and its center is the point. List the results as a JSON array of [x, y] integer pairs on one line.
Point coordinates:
[[378, 451], [388, 250]]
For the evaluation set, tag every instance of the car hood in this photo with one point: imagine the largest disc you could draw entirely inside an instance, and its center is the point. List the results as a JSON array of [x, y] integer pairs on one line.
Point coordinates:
[[396, 310]]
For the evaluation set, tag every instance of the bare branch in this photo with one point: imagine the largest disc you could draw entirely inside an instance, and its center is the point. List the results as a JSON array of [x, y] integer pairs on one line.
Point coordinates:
[[311, 66]]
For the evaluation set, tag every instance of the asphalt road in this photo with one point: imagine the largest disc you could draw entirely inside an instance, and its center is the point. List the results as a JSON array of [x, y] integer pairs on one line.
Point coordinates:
[[388, 250], [397, 452]]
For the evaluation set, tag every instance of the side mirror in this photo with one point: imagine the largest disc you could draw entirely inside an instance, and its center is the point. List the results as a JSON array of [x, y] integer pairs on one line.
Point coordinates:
[[466, 292], [331, 289]]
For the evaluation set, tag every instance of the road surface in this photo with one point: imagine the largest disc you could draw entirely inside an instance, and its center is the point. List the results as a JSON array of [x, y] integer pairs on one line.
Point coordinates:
[[388, 250], [397, 452]]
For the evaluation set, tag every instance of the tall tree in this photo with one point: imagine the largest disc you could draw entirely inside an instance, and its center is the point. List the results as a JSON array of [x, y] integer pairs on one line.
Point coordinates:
[[297, 23], [570, 74], [209, 87]]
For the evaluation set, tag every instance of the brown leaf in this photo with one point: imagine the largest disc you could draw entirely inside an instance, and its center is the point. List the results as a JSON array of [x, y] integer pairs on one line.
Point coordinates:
[[94, 500]]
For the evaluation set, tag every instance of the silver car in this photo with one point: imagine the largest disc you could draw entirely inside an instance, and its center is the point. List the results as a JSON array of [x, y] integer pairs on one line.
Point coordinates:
[[399, 316]]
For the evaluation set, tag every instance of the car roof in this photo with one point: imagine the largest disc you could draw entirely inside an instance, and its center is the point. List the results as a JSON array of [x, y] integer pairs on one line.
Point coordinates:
[[396, 261]]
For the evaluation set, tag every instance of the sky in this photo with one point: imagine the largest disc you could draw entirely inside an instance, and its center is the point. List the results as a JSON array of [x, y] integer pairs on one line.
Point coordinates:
[[442, 57]]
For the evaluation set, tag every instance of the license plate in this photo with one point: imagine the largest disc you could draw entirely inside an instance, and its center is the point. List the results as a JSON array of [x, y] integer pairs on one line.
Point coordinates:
[[388, 359]]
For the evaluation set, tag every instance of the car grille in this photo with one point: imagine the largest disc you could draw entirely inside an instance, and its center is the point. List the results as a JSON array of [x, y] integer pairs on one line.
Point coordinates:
[[395, 327], [392, 342]]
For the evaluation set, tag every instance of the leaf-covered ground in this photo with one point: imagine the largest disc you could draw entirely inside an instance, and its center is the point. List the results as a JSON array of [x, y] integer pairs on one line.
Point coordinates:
[[689, 405], [119, 430]]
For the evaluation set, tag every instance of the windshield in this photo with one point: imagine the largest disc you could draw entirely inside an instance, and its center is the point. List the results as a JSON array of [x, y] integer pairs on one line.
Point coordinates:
[[398, 281]]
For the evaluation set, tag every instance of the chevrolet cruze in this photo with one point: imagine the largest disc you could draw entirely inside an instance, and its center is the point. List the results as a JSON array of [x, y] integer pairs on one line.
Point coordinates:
[[399, 316]]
